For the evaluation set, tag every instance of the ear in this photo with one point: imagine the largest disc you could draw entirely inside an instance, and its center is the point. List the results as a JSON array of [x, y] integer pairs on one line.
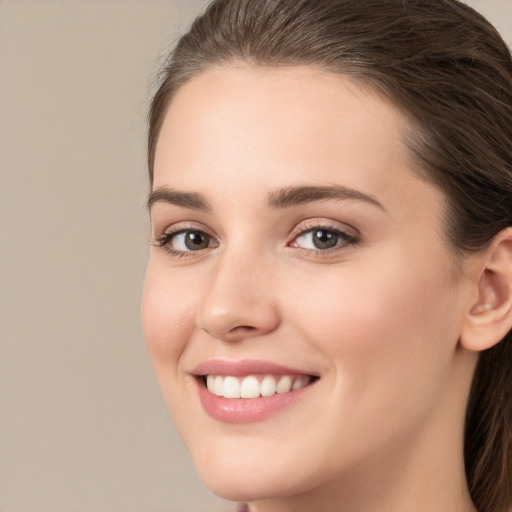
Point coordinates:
[[490, 318]]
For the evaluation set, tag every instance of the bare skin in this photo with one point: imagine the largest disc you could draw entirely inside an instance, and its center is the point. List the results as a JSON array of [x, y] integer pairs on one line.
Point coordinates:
[[376, 317]]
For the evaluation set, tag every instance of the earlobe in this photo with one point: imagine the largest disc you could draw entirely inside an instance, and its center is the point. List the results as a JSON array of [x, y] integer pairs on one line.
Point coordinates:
[[489, 319]]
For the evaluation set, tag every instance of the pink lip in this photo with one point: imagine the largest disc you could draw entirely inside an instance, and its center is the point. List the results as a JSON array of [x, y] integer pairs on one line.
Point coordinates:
[[245, 410], [243, 368]]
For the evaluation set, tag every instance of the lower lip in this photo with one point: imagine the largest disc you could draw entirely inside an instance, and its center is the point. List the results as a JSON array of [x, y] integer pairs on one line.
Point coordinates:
[[247, 410]]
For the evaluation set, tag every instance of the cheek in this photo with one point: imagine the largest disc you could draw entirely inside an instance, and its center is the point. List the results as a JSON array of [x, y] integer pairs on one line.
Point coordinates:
[[389, 334], [167, 316], [168, 313]]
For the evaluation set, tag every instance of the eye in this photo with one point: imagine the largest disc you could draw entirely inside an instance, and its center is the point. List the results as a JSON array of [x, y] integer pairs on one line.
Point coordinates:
[[322, 239], [179, 243], [190, 241]]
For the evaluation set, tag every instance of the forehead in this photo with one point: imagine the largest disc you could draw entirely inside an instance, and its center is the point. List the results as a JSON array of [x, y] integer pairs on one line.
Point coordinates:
[[276, 112], [262, 129]]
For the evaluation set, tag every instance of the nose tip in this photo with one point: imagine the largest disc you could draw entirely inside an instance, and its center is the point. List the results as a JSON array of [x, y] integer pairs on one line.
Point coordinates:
[[238, 322], [237, 306]]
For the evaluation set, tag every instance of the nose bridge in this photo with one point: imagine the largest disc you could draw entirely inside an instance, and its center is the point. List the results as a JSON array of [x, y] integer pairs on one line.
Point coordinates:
[[239, 302]]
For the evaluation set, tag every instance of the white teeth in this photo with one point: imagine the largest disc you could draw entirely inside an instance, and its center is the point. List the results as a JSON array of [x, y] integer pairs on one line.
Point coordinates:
[[210, 383], [231, 387], [297, 383], [252, 386], [219, 385], [268, 386], [284, 385], [301, 382]]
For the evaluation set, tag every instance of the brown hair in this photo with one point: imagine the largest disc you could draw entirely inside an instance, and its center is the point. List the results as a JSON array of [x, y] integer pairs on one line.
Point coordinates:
[[449, 71]]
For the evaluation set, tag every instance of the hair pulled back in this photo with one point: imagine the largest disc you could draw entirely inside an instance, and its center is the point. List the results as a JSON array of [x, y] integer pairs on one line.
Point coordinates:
[[448, 70]]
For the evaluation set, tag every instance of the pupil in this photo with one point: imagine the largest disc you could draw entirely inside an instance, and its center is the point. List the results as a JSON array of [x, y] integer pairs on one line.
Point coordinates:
[[324, 239], [195, 241]]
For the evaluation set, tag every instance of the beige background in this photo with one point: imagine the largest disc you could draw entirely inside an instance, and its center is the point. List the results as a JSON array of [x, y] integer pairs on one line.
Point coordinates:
[[82, 424]]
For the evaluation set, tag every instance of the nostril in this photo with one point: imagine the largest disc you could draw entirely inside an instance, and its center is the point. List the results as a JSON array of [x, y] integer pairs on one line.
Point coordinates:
[[240, 332], [242, 329], [238, 321]]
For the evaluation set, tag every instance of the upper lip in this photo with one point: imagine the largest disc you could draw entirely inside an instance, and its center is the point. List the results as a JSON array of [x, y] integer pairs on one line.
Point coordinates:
[[244, 367]]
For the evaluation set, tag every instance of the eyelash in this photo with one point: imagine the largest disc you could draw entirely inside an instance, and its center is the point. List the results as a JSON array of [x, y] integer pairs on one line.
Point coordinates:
[[347, 239], [344, 237], [165, 239]]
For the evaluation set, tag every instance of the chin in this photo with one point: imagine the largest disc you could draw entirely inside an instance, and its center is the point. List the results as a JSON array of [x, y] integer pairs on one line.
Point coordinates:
[[234, 488], [243, 478], [230, 485]]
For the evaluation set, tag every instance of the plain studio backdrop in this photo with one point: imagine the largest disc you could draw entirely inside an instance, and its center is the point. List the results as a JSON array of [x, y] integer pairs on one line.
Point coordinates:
[[82, 425]]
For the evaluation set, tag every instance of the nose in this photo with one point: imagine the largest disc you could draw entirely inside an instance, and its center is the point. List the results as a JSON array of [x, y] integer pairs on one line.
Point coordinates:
[[240, 301]]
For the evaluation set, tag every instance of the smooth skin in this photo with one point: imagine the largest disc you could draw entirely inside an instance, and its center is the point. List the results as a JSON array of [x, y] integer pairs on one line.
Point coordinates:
[[382, 316]]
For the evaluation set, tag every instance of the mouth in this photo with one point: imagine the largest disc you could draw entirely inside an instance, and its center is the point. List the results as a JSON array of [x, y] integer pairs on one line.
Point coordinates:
[[254, 386], [249, 390]]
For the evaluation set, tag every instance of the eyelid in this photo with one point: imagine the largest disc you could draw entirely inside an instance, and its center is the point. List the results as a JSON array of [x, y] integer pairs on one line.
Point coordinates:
[[176, 227], [309, 224], [351, 234], [164, 238]]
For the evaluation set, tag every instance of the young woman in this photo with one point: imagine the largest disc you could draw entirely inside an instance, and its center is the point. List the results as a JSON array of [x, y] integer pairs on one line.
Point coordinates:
[[328, 300]]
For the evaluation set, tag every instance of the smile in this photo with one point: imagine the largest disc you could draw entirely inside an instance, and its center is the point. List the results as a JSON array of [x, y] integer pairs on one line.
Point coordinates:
[[250, 390], [254, 386]]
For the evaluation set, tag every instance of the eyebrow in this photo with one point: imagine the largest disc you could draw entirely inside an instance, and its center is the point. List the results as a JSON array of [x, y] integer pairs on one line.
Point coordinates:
[[191, 200], [281, 198], [293, 196]]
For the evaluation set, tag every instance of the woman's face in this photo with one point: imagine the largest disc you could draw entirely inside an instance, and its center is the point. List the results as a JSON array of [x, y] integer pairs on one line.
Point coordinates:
[[294, 245]]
